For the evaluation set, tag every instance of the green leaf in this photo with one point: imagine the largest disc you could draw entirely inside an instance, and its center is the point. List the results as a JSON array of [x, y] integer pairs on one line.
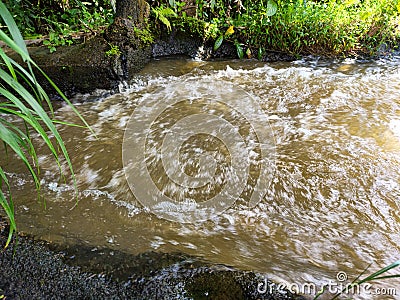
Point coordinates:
[[9, 209], [239, 50], [212, 5], [168, 12], [272, 7], [12, 27], [172, 3], [218, 42], [60, 93], [376, 275], [8, 206], [10, 43], [162, 14], [8, 63], [260, 53], [25, 102], [165, 21]]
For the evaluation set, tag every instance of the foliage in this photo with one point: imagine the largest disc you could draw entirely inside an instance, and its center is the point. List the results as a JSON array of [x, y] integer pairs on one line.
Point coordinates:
[[327, 27], [219, 40], [56, 40], [114, 51], [144, 35], [162, 14], [23, 98], [59, 19], [330, 27]]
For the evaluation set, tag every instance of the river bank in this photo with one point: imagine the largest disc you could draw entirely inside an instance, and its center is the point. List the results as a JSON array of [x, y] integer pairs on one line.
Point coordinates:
[[32, 270], [269, 32]]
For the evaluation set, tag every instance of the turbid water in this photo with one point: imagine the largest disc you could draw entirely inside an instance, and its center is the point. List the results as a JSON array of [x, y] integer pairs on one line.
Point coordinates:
[[331, 204]]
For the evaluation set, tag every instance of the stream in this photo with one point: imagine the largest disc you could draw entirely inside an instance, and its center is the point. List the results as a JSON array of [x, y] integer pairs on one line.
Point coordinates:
[[330, 200]]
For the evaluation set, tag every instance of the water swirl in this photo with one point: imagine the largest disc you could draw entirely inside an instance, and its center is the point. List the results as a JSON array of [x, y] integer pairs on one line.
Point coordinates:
[[194, 148]]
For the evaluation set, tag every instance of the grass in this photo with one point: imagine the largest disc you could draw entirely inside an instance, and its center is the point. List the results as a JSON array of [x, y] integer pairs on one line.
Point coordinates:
[[334, 27], [378, 275], [25, 99], [297, 27], [59, 22]]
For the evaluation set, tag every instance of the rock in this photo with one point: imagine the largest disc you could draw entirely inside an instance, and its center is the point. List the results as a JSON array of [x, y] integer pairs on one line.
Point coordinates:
[[128, 33], [177, 43], [78, 68]]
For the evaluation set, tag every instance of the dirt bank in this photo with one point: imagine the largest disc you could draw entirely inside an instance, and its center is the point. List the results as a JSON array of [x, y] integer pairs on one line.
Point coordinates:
[[38, 270]]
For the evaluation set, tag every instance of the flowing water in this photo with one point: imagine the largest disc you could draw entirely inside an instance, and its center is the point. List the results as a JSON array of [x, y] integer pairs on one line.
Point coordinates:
[[332, 204]]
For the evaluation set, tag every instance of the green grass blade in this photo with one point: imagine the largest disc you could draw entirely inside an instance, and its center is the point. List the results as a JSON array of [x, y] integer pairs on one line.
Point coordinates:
[[375, 275], [10, 43], [31, 101], [57, 89], [9, 209], [66, 100], [24, 99], [387, 277], [30, 80], [16, 143], [24, 136], [69, 124], [8, 63], [39, 111], [8, 206], [12, 27], [28, 116]]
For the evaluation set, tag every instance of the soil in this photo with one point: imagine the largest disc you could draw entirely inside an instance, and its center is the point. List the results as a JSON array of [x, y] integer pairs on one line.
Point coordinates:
[[38, 270]]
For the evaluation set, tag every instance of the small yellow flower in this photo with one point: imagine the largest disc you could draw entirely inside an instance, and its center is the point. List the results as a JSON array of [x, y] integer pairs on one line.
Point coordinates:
[[229, 31]]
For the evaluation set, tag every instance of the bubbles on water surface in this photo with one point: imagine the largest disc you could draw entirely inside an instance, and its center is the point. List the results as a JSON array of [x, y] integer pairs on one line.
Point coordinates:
[[194, 148], [333, 202]]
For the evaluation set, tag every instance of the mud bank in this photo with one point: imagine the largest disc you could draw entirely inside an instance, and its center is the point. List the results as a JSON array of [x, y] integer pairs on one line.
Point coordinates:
[[37, 270]]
